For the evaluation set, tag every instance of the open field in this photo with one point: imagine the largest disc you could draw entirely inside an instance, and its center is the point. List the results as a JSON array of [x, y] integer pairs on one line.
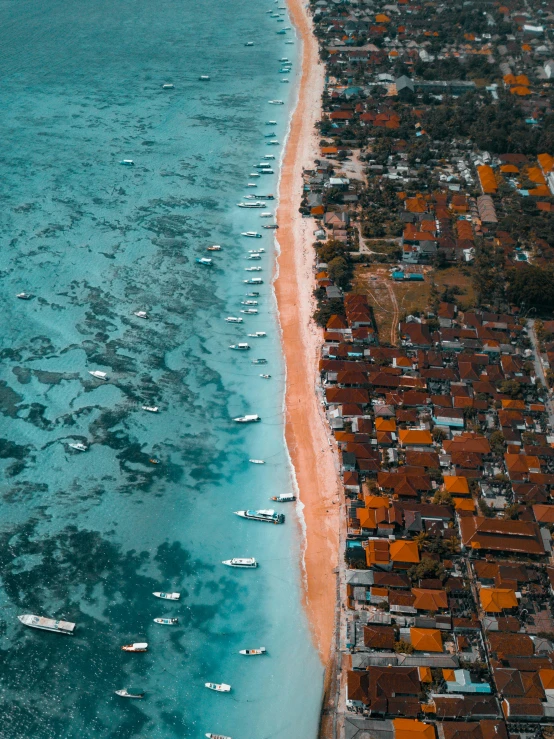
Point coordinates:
[[392, 301]]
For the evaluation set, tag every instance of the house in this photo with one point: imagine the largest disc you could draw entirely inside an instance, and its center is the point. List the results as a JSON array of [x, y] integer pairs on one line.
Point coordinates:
[[497, 600], [426, 640], [479, 533], [459, 681], [415, 437], [382, 689]]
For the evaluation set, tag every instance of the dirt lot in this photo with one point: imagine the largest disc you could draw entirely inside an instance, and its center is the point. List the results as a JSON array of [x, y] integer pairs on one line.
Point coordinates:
[[392, 301]]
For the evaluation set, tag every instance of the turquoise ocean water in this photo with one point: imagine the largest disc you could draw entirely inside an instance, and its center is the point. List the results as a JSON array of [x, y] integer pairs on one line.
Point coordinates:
[[89, 536]]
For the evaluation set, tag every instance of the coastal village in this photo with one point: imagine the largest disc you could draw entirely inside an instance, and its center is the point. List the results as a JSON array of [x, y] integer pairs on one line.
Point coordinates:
[[431, 205]]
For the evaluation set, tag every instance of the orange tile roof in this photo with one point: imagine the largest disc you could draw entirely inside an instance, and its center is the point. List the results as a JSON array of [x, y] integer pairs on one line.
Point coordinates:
[[535, 175], [449, 676], [407, 728], [377, 552], [509, 169], [520, 90], [385, 424], [455, 484], [546, 162], [415, 436], [464, 504], [495, 600], [426, 640], [382, 18], [376, 501], [425, 675], [403, 550], [415, 205], [547, 679], [487, 178], [427, 599]]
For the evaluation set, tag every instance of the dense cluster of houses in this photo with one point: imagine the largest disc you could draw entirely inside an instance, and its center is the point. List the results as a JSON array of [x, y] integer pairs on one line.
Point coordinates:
[[448, 470]]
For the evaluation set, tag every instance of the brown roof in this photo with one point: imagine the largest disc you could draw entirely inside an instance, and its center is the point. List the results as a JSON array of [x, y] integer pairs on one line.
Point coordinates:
[[501, 535], [465, 706], [379, 637], [518, 645]]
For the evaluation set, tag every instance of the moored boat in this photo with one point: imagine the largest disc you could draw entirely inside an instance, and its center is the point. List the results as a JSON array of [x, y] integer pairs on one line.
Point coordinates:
[[251, 234], [250, 311], [136, 647], [206, 261], [127, 162], [78, 446], [24, 296], [258, 335], [204, 77], [249, 302], [167, 596], [243, 347], [253, 652], [250, 418], [283, 498], [234, 319], [276, 102], [247, 562], [150, 408], [98, 374], [218, 687], [272, 225], [129, 693], [209, 734], [267, 515], [260, 360], [253, 281], [248, 43], [256, 461], [215, 247], [266, 377], [47, 624], [166, 621], [168, 86], [141, 314], [255, 204]]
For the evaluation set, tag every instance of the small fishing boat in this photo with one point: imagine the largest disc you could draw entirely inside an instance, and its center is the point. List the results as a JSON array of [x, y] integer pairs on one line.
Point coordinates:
[[141, 314], [24, 296], [47, 624], [266, 515], [271, 123], [249, 311], [256, 461], [260, 360], [284, 81], [267, 214], [240, 347], [98, 374], [271, 225], [150, 408], [274, 142], [254, 174], [137, 647], [249, 302], [253, 256], [204, 77], [289, 42], [206, 261], [253, 281], [248, 43], [251, 184], [281, 32], [153, 460], [127, 162], [248, 562], [166, 621], [261, 250], [79, 447], [266, 377], [254, 294], [253, 652], [129, 694], [276, 102], [251, 234], [269, 171], [253, 269], [255, 204], [258, 335], [168, 86], [283, 498], [168, 596], [252, 418], [215, 247], [209, 734], [284, 59], [234, 319], [269, 135], [218, 687]]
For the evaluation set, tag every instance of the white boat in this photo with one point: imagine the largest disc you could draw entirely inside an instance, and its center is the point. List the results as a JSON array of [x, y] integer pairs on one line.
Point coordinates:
[[284, 59], [206, 261], [137, 647], [253, 652], [271, 123], [249, 311], [248, 562], [253, 174], [251, 234], [252, 418], [240, 347], [78, 446], [24, 296], [209, 734], [47, 624], [204, 77], [127, 162], [256, 461], [255, 204], [276, 102], [254, 281], [215, 247], [253, 269], [257, 335], [266, 215], [126, 694], [266, 377], [168, 596], [271, 225], [261, 250], [98, 374], [218, 687], [260, 360], [267, 515], [249, 302], [168, 86], [251, 184], [248, 43], [254, 256], [141, 314], [150, 408], [269, 156], [283, 498], [289, 42], [234, 319], [166, 621], [269, 171], [253, 294]]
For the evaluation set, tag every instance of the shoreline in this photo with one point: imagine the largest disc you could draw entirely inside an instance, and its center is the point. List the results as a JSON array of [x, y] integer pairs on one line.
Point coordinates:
[[306, 435]]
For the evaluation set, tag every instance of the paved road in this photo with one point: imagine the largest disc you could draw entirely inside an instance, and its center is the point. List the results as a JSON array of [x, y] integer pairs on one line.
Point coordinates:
[[539, 371]]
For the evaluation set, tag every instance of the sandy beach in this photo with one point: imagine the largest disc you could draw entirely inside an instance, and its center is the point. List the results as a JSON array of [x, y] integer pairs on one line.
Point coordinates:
[[307, 435]]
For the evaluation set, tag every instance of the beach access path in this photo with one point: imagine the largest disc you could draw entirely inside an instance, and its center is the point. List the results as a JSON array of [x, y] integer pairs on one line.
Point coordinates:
[[309, 440]]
